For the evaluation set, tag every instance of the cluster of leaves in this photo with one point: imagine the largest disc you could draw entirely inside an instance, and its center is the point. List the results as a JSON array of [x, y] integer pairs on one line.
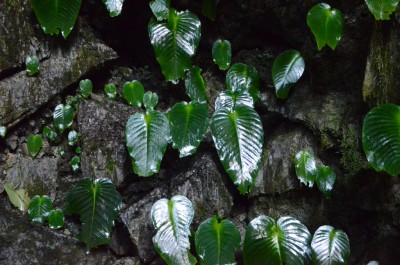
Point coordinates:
[[41, 211]]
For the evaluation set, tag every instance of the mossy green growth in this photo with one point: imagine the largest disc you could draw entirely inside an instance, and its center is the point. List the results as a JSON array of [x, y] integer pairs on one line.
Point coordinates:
[[352, 158]]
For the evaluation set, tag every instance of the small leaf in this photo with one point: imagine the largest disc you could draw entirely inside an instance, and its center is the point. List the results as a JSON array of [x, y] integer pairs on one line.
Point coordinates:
[[330, 246], [19, 198], [75, 163], [49, 133], [160, 9], [34, 144], [3, 131], [73, 138], [56, 219], [382, 9], [216, 242], [63, 117], [78, 150], [133, 93], [325, 180], [98, 203], [209, 8], [39, 209], [85, 88], [230, 100], [304, 163], [172, 219], [111, 91], [188, 123], [32, 65], [326, 24], [195, 85], [241, 77], [222, 54], [150, 100], [114, 7]]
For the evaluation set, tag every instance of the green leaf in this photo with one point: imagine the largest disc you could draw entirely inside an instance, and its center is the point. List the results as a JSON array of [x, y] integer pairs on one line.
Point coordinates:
[[381, 139], [230, 100], [188, 123], [382, 9], [239, 136], [222, 54], [325, 180], [283, 242], [78, 150], [56, 15], [73, 138], [150, 100], [133, 93], [304, 164], [330, 246], [175, 41], [195, 85], [241, 77], [216, 242], [75, 163], [114, 7], [160, 9], [287, 69], [172, 219], [32, 65], [63, 117], [34, 144], [56, 219], [39, 209], [98, 203], [326, 24], [3, 131], [209, 8], [49, 133], [147, 138], [85, 88], [19, 198], [111, 91]]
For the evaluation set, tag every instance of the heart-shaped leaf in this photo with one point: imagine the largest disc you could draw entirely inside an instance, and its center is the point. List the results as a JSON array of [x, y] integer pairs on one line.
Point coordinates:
[[133, 93], [56, 219], [172, 219], [188, 123], [222, 54], [195, 85], [230, 100], [304, 163], [19, 198], [111, 91], [34, 144], [63, 117], [209, 8], [85, 88], [326, 24], [39, 209], [287, 69], [98, 203], [73, 138], [325, 180], [283, 242], [382, 9], [239, 136], [150, 100], [32, 65], [330, 246], [216, 241], [3, 131], [114, 7], [175, 41], [381, 140], [147, 138], [56, 15], [241, 77], [160, 9]]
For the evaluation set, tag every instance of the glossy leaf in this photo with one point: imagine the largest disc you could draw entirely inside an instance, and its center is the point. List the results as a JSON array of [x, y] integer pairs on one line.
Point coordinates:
[[188, 123], [147, 138], [39, 209], [304, 164], [381, 139], [133, 93], [85, 88], [330, 246], [114, 7], [222, 54], [34, 144], [209, 8], [75, 163], [195, 85], [238, 137], [175, 41], [216, 242], [73, 138], [32, 65], [241, 77], [63, 117], [98, 203], [150, 100], [326, 24], [56, 15], [382, 9], [283, 242], [49, 133], [56, 219], [172, 219], [160, 9], [19, 198], [3, 131], [230, 100], [325, 180], [111, 91]]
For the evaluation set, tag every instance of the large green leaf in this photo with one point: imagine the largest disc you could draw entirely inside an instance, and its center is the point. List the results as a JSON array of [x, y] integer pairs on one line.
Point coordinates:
[[188, 123], [239, 136], [325, 180], [241, 77], [34, 144], [63, 117], [382, 9], [195, 85], [381, 138], [133, 93], [98, 203], [114, 7], [230, 100], [283, 242], [56, 219], [326, 24], [222, 54], [56, 15], [287, 69], [216, 242], [330, 246], [147, 138], [304, 163], [175, 41], [39, 209], [19, 198], [160, 9], [172, 219]]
